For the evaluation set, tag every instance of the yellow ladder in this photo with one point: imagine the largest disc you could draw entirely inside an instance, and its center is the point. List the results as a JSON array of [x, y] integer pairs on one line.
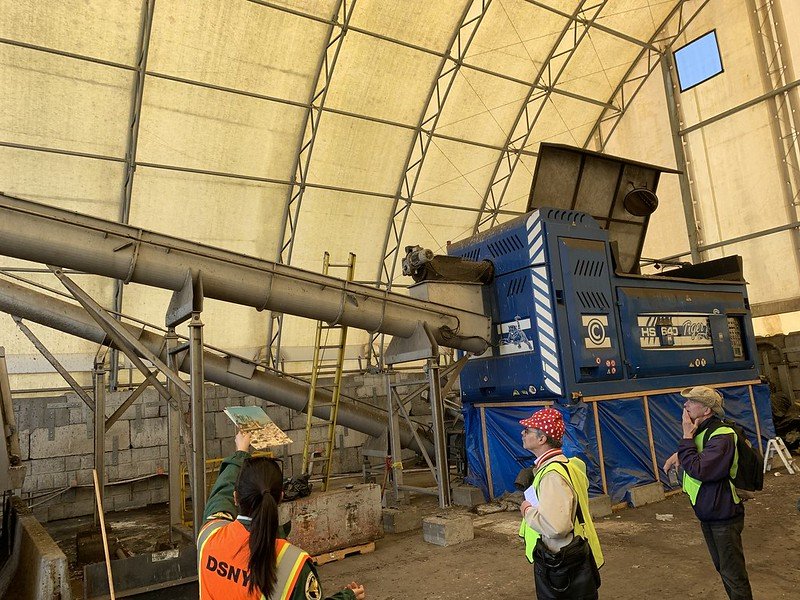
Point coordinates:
[[335, 340]]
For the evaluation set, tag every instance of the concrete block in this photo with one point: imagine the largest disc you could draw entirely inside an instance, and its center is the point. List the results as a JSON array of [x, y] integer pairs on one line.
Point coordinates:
[[347, 460], [151, 409], [213, 449], [447, 529], [72, 463], [280, 416], [600, 506], [223, 426], [150, 432], [25, 444], [467, 495], [45, 573], [646, 494], [339, 518], [45, 481], [46, 465], [399, 520], [145, 467], [139, 455]]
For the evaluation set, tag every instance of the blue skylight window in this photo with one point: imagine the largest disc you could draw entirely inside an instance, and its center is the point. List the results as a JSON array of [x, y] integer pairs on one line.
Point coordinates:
[[698, 61]]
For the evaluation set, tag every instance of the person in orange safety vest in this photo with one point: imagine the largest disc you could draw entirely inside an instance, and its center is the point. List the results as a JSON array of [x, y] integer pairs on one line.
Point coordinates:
[[245, 556]]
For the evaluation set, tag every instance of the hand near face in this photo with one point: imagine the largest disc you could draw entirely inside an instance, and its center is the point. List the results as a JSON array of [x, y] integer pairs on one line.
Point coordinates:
[[689, 426]]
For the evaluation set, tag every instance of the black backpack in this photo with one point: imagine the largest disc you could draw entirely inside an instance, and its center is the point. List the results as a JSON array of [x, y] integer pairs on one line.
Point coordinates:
[[750, 471]]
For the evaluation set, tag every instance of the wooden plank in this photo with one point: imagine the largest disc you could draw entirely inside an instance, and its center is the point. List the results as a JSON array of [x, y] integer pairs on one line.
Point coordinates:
[[650, 437], [486, 453], [600, 449], [343, 553], [755, 417], [97, 494], [640, 393]]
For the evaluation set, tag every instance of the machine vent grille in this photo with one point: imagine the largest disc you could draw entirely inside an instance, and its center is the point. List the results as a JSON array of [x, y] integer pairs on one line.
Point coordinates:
[[516, 286], [472, 254], [593, 300], [505, 245], [589, 268], [566, 215]]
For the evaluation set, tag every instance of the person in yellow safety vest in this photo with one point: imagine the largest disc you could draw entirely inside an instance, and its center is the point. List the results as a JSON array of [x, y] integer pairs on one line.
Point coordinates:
[[560, 538], [709, 464], [247, 557]]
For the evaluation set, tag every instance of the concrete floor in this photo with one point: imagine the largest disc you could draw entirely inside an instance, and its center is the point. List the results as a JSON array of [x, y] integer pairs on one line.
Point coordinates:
[[645, 557]]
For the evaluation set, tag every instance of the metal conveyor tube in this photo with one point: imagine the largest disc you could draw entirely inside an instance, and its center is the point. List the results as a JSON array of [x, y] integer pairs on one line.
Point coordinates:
[[74, 320], [49, 235]]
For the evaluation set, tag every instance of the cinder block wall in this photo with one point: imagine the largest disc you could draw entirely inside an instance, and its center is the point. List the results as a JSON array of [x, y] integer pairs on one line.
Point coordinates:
[[57, 442]]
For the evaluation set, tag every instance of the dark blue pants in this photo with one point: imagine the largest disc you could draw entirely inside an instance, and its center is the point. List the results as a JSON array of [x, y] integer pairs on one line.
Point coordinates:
[[724, 541]]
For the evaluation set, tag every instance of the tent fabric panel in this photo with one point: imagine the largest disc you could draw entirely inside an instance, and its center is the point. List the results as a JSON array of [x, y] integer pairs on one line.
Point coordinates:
[[379, 79], [106, 30], [198, 128], [341, 223], [515, 39], [275, 52], [69, 182], [481, 107], [634, 17], [58, 102], [455, 173], [418, 22], [597, 65], [238, 215], [375, 154]]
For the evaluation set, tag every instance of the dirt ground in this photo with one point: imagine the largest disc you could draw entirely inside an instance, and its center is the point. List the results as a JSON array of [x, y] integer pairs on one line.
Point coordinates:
[[645, 557]]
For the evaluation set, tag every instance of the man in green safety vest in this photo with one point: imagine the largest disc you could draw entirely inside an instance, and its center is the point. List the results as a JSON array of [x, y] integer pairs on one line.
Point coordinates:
[[709, 464], [560, 539]]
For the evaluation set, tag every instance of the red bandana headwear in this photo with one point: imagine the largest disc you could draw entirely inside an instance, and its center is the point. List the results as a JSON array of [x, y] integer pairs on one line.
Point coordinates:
[[547, 420]]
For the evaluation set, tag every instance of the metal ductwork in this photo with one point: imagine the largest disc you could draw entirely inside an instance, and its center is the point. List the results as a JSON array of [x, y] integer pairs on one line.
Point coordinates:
[[44, 234], [48, 311]]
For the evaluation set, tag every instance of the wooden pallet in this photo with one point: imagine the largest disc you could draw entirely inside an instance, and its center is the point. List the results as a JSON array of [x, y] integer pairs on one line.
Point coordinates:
[[343, 553]]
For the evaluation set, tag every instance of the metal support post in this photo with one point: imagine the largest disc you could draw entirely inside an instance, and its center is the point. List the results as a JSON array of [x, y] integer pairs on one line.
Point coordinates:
[[174, 417], [395, 450], [99, 431], [439, 439], [681, 161], [198, 420]]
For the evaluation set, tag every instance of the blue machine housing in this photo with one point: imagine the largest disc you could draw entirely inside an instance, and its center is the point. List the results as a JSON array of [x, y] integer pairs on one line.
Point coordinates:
[[566, 325]]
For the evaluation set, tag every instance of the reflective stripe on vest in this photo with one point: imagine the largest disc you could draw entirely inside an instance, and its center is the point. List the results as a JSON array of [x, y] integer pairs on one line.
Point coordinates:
[[290, 562], [207, 531], [580, 486], [289, 559], [691, 485]]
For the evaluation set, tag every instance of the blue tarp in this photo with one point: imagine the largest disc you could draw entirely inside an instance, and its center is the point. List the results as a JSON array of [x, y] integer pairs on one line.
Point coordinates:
[[626, 448]]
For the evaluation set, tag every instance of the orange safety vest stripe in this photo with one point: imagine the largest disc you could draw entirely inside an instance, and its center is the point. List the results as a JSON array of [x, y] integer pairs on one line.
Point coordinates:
[[200, 552], [294, 572]]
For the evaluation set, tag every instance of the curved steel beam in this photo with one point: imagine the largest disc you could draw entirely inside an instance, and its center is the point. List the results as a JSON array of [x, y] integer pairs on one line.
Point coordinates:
[[634, 78], [305, 148], [532, 107], [449, 67]]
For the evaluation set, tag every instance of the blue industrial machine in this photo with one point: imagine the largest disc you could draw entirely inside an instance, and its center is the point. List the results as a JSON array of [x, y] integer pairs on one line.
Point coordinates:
[[576, 325]]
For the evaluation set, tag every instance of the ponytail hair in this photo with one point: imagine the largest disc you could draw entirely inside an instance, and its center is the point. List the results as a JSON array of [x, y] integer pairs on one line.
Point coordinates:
[[259, 490]]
